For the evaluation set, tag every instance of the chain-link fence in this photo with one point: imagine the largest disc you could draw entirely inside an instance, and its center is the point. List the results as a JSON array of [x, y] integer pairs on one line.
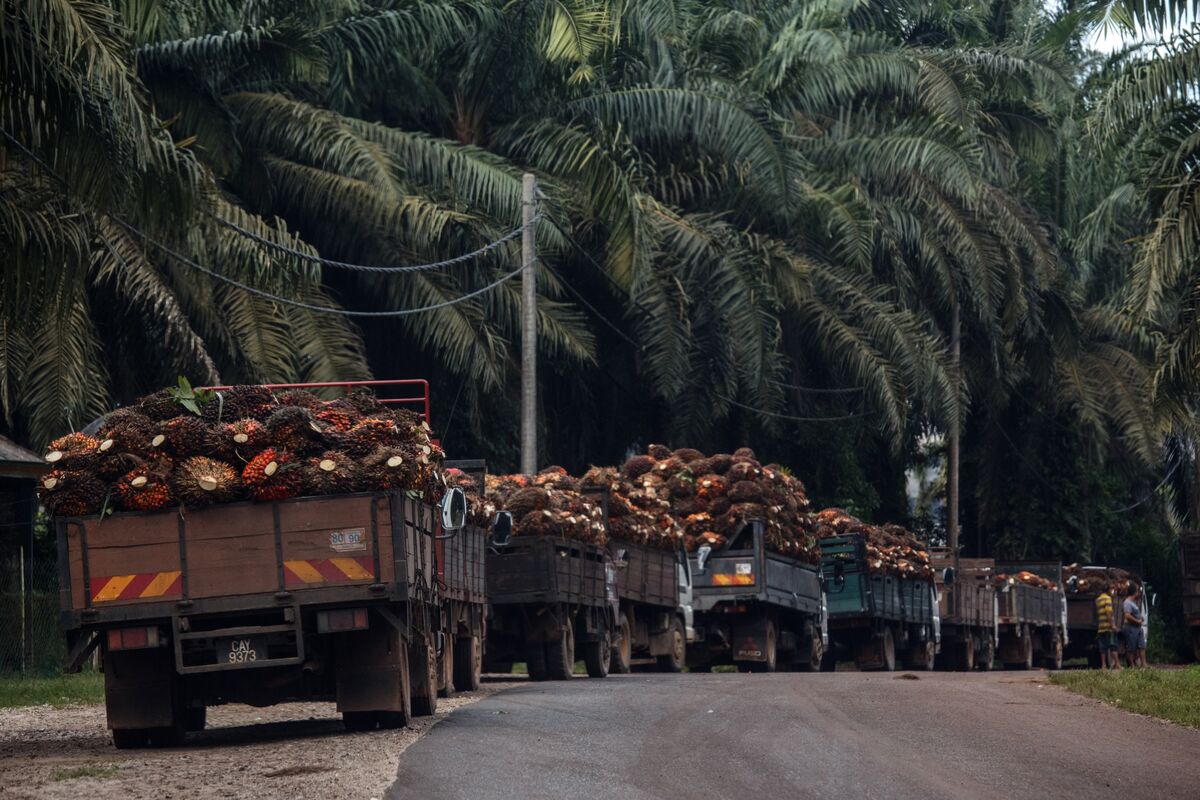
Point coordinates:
[[30, 639]]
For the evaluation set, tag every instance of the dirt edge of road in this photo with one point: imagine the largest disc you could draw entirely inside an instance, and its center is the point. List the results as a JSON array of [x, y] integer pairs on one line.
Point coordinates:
[[297, 750]]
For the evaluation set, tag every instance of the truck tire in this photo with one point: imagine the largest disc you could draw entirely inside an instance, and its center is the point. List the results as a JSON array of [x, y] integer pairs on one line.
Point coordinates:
[[560, 653], [816, 655], [966, 658], [770, 653], [468, 663], [535, 661], [130, 738], [446, 682], [596, 655], [359, 721], [829, 660], [195, 718], [622, 653], [921, 655], [676, 658], [422, 675], [987, 655], [1054, 659], [887, 647], [1026, 661]]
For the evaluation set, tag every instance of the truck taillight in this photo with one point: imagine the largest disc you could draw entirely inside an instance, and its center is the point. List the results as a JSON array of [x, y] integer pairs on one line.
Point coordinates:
[[345, 619], [725, 579], [133, 638]]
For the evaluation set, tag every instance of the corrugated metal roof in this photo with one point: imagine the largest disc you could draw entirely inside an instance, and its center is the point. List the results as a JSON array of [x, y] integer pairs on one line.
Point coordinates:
[[10, 451]]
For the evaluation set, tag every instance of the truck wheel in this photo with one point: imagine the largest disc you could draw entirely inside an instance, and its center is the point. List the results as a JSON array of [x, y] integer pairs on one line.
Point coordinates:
[[816, 655], [130, 738], [359, 721], [770, 653], [596, 655], [829, 660], [675, 660], [966, 659], [923, 654], [1026, 661], [887, 646], [195, 718], [422, 673], [468, 663], [1054, 659], [560, 653], [622, 653], [535, 661], [446, 682], [987, 655]]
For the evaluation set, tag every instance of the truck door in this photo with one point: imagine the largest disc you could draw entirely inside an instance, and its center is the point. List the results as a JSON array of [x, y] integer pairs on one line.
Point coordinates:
[[683, 572]]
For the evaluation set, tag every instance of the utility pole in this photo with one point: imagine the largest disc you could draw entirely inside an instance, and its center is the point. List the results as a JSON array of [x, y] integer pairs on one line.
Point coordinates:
[[952, 456], [528, 326]]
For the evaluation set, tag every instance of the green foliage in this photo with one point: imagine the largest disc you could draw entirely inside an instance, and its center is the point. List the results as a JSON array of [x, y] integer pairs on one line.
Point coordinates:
[[62, 690], [1170, 694]]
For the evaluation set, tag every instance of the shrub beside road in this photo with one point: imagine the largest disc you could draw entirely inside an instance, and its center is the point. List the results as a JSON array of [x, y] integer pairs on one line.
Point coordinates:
[[1170, 694]]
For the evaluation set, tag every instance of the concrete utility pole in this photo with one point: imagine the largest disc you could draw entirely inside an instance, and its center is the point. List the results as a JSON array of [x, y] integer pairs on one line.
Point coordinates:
[[528, 327], [952, 456]]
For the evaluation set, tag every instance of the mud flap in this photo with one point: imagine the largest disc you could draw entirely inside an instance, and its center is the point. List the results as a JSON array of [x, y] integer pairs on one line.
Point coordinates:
[[750, 640], [372, 670], [141, 689]]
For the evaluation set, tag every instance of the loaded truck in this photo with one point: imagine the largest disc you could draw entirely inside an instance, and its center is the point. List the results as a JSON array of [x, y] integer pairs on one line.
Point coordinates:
[[331, 597], [1082, 622], [462, 586], [876, 615], [1031, 620], [755, 608], [551, 602], [1189, 546], [967, 609]]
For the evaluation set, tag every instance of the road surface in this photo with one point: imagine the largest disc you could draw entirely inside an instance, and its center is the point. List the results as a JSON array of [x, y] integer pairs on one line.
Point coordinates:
[[785, 736]]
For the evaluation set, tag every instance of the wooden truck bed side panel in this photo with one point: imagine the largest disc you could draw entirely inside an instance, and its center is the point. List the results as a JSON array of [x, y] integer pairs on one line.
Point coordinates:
[[535, 569], [650, 576], [230, 549], [125, 558], [464, 565]]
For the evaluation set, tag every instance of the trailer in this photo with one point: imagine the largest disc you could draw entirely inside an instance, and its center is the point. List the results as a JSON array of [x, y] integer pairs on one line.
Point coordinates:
[[1031, 620], [551, 601], [1082, 622], [877, 615], [1189, 551], [755, 608], [329, 598], [462, 586], [968, 610]]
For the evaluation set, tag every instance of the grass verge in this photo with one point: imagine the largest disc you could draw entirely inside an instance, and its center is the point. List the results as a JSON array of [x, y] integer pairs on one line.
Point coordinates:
[[106, 771], [1170, 694], [62, 690]]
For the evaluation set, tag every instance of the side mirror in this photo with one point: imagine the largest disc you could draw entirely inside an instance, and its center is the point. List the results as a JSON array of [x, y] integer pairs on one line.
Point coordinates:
[[702, 556], [948, 576], [502, 529], [621, 559], [454, 510], [1073, 582]]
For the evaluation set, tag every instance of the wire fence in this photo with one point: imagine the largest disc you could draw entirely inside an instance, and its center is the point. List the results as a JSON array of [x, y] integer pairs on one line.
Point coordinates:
[[31, 641]]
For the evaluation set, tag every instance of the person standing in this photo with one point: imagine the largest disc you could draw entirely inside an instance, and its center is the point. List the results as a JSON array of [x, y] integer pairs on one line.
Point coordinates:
[[1106, 631], [1134, 630]]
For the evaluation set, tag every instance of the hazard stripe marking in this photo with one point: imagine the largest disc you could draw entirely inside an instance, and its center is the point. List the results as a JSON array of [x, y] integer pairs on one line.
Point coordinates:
[[302, 572], [351, 569], [112, 588], [162, 583], [138, 586], [315, 571]]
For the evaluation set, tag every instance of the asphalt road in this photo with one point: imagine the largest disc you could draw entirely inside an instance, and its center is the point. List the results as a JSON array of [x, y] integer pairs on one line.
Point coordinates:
[[785, 736]]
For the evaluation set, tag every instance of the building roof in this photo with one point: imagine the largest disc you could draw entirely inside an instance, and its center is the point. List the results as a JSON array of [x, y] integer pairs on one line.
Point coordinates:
[[17, 462]]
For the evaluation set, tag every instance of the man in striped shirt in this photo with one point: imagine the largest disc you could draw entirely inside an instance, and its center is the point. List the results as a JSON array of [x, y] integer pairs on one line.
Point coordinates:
[[1106, 632]]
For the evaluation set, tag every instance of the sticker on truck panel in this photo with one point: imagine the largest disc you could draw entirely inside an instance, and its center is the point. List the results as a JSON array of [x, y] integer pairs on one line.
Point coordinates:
[[348, 541], [139, 586], [316, 571]]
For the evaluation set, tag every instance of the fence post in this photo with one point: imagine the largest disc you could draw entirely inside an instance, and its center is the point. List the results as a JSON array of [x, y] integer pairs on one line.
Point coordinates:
[[23, 614]]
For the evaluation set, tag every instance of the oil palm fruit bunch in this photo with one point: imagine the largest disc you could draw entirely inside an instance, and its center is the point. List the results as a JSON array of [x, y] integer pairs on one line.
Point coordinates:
[[75, 451], [364, 400], [248, 435], [337, 415], [130, 430], [390, 467], [145, 488], [273, 475], [201, 481], [181, 436], [242, 402], [71, 493], [331, 472], [293, 429], [159, 406], [301, 398], [369, 434]]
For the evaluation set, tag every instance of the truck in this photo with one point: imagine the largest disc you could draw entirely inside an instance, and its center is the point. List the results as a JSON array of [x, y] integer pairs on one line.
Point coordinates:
[[551, 601], [1031, 620], [755, 608], [1189, 546], [462, 586], [877, 615], [326, 598], [967, 608], [1082, 622]]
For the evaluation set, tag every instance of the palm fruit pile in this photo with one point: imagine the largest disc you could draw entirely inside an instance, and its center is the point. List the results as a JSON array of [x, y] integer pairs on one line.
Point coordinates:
[[244, 443], [711, 498], [1090, 580], [548, 505], [637, 512], [1002, 579], [891, 549]]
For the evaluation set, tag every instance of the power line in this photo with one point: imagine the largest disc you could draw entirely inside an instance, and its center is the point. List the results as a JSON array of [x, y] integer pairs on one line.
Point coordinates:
[[596, 264], [793, 418], [328, 262], [403, 312], [579, 296], [815, 390], [1153, 493]]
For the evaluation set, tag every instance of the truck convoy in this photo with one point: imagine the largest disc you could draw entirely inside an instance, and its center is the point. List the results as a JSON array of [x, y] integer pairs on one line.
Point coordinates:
[[1031, 614], [876, 614], [968, 610], [1082, 584], [755, 608]]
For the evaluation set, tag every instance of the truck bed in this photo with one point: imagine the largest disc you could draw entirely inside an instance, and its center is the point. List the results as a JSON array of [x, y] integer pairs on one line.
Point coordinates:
[[755, 574], [970, 600], [861, 594], [241, 556], [1033, 605], [650, 576], [544, 569]]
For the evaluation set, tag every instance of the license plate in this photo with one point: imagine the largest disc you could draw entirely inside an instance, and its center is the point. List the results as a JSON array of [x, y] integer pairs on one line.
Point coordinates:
[[247, 650]]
